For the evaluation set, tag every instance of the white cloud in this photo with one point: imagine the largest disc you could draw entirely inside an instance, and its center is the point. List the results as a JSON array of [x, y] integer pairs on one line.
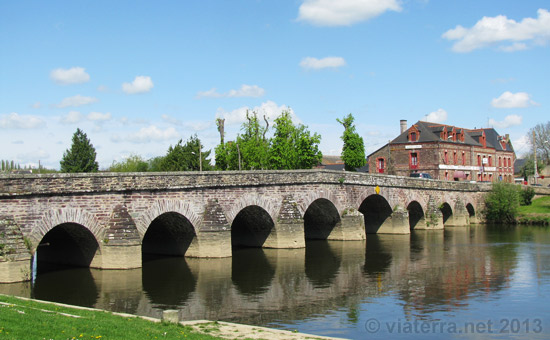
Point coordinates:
[[77, 100], [17, 121], [99, 117], [72, 117], [36, 105], [141, 84], [509, 34], [511, 120], [171, 120], [344, 12], [73, 75], [268, 109], [310, 63], [509, 100], [253, 91], [151, 134], [438, 116]]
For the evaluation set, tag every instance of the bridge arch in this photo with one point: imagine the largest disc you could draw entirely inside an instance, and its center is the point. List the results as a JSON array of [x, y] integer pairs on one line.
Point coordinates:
[[320, 219], [171, 234], [161, 207], [55, 217], [447, 211], [416, 215], [69, 244], [471, 210], [377, 211], [251, 227], [271, 206], [315, 195]]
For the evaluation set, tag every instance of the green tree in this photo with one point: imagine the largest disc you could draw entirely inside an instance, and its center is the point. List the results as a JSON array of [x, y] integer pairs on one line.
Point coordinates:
[[155, 164], [81, 157], [502, 203], [353, 151], [252, 144], [133, 163], [185, 157], [293, 147], [528, 168]]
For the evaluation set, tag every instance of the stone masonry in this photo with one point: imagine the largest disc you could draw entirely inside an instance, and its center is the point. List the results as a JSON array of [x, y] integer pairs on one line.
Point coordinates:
[[118, 208]]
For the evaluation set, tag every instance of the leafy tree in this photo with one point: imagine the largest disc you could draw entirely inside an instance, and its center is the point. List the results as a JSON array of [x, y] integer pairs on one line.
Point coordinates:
[[81, 157], [133, 163], [155, 164], [528, 168], [353, 151], [526, 195], [502, 203], [184, 157], [252, 144], [293, 147]]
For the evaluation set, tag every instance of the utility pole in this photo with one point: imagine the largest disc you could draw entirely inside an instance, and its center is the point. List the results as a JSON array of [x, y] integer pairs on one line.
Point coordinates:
[[535, 155]]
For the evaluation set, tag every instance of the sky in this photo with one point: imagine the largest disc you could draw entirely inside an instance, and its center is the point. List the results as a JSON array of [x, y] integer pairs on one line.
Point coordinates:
[[138, 76]]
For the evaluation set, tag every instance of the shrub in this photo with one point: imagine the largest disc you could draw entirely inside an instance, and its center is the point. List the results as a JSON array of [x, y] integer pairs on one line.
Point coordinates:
[[502, 203], [527, 195]]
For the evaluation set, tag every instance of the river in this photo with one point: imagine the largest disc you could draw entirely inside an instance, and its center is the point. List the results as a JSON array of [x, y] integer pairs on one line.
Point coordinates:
[[468, 282]]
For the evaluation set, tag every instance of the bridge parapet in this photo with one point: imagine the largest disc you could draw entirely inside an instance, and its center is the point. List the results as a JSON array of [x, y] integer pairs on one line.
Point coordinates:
[[56, 184]]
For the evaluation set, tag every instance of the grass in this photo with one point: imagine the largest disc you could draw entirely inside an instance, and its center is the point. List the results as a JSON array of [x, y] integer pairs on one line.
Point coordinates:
[[27, 319], [536, 213]]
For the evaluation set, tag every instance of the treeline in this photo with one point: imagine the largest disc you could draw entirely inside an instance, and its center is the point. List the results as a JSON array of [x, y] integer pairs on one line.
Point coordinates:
[[11, 166], [292, 146]]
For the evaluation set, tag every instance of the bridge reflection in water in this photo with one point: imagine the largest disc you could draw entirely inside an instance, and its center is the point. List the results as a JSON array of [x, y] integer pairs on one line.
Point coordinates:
[[427, 272]]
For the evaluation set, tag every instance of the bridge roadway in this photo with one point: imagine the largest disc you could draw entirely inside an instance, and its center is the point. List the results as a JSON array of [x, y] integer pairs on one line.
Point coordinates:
[[109, 220]]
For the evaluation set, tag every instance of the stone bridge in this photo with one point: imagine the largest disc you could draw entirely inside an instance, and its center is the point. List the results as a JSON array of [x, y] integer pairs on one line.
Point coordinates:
[[112, 220]]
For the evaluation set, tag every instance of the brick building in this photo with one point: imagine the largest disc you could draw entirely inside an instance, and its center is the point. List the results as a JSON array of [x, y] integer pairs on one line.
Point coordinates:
[[447, 153]]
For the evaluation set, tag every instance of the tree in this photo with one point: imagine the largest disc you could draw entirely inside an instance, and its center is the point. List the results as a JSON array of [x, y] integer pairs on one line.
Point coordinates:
[[220, 151], [252, 144], [185, 157], [528, 168], [81, 157], [133, 163], [293, 147], [353, 151], [502, 203], [542, 141]]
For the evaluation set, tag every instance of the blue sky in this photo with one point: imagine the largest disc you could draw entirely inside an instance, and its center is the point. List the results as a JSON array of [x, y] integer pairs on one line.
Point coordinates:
[[137, 76]]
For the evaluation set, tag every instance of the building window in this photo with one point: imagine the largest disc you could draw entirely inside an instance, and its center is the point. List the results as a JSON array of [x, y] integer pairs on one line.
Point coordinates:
[[413, 161], [446, 159], [380, 165], [463, 158], [479, 160], [509, 162], [413, 137], [490, 161], [455, 158], [500, 162]]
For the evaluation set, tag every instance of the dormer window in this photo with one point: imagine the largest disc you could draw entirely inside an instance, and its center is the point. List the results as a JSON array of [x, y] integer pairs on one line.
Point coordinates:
[[414, 134]]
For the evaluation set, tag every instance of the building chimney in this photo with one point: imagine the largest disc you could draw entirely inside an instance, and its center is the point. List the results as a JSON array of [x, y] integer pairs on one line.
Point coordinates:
[[403, 125]]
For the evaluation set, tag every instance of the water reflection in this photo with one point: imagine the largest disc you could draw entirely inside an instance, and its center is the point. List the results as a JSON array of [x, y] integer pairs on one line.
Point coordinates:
[[427, 272], [70, 285], [167, 281]]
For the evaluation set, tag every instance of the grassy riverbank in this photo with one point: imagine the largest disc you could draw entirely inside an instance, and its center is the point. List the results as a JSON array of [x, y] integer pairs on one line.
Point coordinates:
[[28, 319], [536, 213]]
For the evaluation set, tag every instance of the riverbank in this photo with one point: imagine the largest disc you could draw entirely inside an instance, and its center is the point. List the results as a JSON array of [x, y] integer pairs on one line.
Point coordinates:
[[538, 212], [22, 318]]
